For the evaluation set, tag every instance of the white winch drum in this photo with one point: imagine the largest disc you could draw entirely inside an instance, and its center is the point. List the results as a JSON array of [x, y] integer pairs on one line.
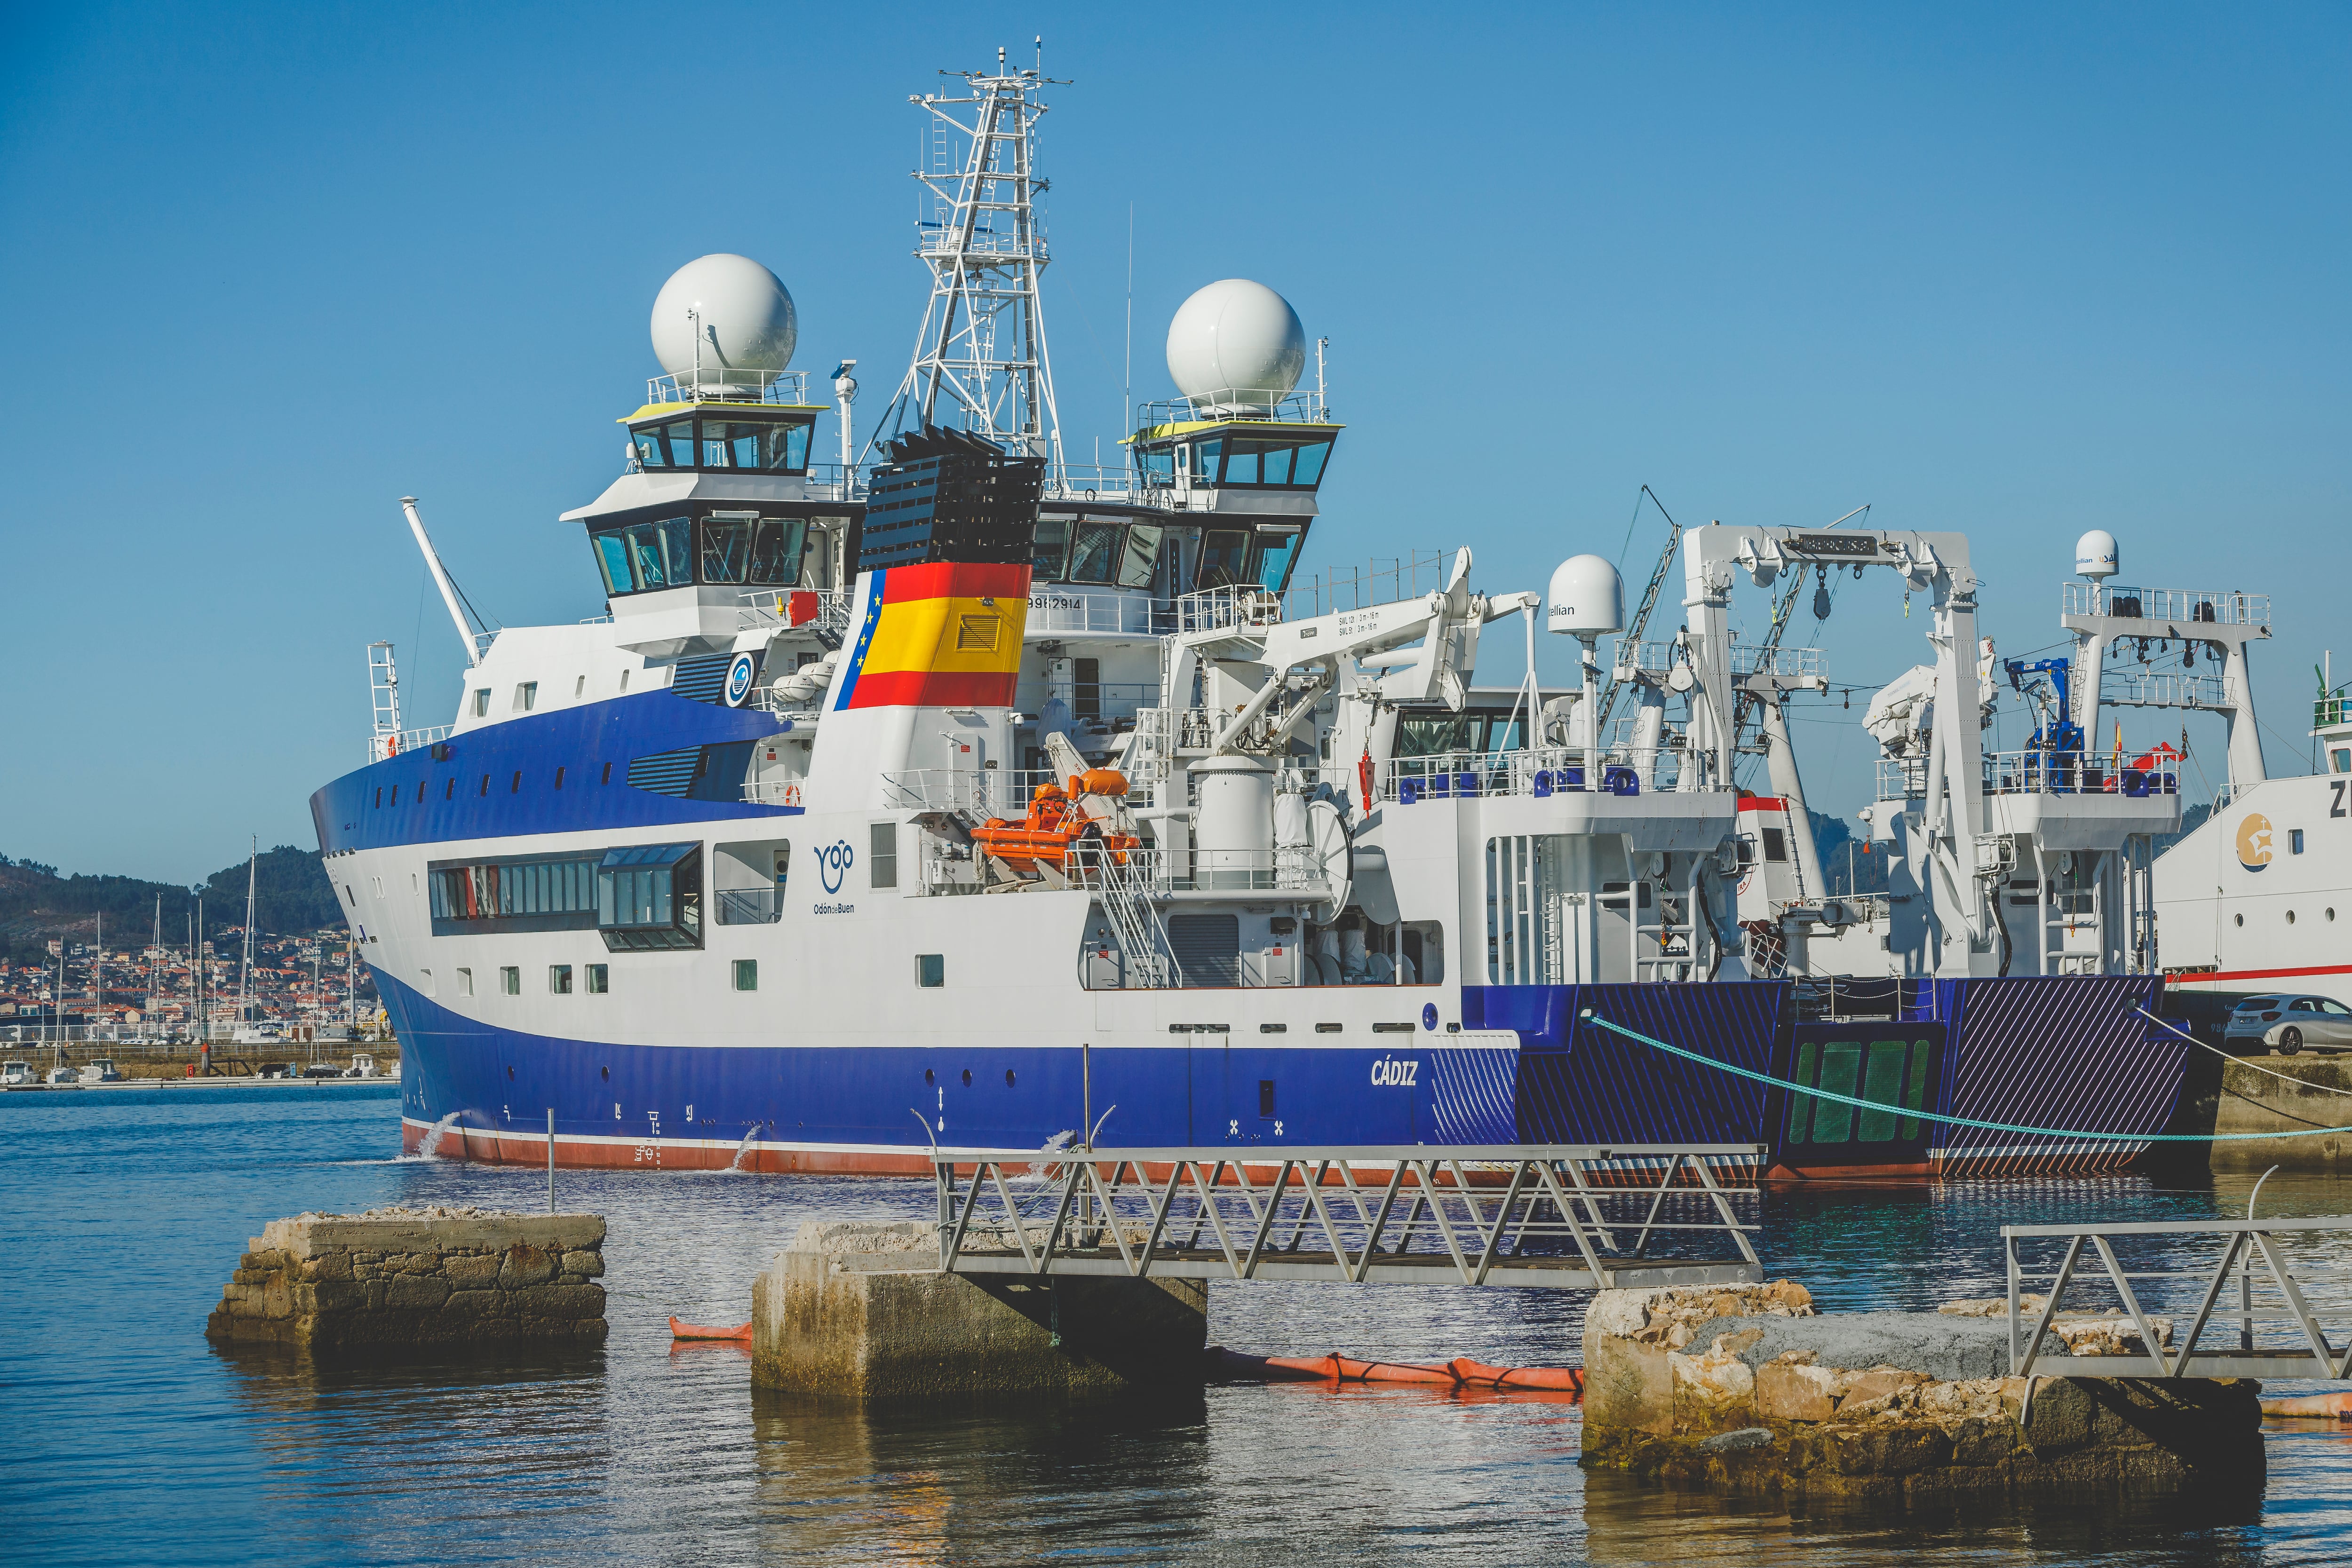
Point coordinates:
[[1233, 824]]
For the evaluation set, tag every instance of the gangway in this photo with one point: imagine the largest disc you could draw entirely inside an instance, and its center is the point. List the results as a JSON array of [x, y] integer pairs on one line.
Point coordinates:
[[2296, 1298], [1565, 1217]]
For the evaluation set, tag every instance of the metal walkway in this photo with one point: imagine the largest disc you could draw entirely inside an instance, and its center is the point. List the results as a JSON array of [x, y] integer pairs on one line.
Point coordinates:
[[1578, 1218], [2284, 1293]]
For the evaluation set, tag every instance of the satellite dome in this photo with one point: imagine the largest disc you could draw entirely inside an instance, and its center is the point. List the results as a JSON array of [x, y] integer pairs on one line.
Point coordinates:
[[2096, 555], [1587, 597], [749, 327], [1237, 347]]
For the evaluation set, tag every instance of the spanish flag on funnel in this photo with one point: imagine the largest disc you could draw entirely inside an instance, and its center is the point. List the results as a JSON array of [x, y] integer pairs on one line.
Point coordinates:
[[942, 635]]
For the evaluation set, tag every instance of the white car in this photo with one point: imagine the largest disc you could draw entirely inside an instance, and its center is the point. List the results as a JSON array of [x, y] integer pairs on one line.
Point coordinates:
[[2319, 1024]]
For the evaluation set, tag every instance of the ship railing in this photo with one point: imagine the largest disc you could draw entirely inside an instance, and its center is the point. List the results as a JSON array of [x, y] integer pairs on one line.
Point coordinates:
[[1292, 408], [749, 905], [1387, 580], [2331, 711], [721, 384], [1537, 772], [1902, 779], [825, 609], [1747, 659], [1103, 699], [387, 744], [1082, 482], [1060, 610], [773, 792], [2158, 690], [832, 482], [977, 793], [1217, 609], [2169, 606], [2077, 773]]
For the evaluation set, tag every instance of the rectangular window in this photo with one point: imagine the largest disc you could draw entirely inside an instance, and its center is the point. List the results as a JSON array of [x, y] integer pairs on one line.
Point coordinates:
[[559, 779], [396, 800], [1142, 556], [1308, 468], [449, 788], [515, 787], [649, 896], [1095, 554], [559, 979], [1212, 454], [1051, 546], [1241, 468], [1086, 688], [424, 982], [1801, 1107], [464, 982], [1776, 845], [526, 696], [2293, 835], [747, 974], [882, 854], [538, 894], [600, 979], [1224, 557], [2340, 760], [1915, 1099], [1266, 1096], [1841, 1070], [650, 454], [681, 442], [1882, 1084], [511, 979], [482, 702], [1275, 551], [930, 969]]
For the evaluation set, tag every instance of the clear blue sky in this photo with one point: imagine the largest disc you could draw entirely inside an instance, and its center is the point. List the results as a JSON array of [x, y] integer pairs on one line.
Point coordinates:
[[2021, 272]]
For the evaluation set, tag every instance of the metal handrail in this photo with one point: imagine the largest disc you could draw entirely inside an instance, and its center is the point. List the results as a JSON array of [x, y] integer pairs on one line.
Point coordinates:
[[744, 387], [2244, 1243], [386, 745], [2165, 606], [1576, 1217]]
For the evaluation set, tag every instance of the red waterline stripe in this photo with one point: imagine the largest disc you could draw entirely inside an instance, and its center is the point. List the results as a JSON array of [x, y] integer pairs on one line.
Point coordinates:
[[2256, 973]]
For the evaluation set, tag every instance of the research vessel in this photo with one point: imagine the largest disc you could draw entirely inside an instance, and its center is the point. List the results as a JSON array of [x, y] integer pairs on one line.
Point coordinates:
[[949, 793]]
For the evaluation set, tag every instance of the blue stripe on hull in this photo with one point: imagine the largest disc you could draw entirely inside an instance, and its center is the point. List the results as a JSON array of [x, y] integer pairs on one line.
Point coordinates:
[[581, 740], [1198, 1094]]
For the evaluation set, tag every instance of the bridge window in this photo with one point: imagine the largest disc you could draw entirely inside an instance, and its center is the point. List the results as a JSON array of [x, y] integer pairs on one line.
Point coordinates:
[[1053, 546], [1271, 558], [1142, 557], [1095, 554], [1224, 557], [762, 551], [767, 445], [1285, 464]]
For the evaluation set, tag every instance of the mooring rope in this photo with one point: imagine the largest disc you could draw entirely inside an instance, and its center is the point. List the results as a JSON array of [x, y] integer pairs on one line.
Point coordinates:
[[1951, 1121], [2284, 1078]]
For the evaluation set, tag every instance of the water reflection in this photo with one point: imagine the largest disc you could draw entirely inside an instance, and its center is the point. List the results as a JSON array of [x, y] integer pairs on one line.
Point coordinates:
[[142, 1444]]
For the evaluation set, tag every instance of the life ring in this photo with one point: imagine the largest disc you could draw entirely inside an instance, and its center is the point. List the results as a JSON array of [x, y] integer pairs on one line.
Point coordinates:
[[792, 794]]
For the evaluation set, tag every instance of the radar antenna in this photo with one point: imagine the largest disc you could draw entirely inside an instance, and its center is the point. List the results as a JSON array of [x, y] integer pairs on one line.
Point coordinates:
[[982, 342]]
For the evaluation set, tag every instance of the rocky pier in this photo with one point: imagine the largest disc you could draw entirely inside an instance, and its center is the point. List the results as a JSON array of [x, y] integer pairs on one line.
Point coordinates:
[[417, 1277], [1746, 1389]]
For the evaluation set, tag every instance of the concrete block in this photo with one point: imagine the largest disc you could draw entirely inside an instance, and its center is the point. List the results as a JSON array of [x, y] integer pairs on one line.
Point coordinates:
[[860, 1310], [587, 1265], [470, 1270], [409, 1293]]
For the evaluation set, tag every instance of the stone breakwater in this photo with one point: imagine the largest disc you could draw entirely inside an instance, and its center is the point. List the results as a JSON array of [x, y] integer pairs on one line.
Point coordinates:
[[1746, 1389], [417, 1277]]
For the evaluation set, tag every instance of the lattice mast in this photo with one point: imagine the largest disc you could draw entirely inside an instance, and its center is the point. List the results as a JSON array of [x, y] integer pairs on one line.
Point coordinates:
[[981, 361]]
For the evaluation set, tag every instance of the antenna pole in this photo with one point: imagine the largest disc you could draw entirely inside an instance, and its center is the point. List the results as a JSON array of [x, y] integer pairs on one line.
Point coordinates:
[[440, 579], [1126, 368]]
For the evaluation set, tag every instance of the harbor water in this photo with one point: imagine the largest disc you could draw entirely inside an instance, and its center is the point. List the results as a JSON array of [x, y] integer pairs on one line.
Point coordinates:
[[129, 1439]]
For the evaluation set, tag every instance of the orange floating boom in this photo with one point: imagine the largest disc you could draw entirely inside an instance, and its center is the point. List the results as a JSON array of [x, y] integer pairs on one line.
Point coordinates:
[[2326, 1407], [680, 1330]]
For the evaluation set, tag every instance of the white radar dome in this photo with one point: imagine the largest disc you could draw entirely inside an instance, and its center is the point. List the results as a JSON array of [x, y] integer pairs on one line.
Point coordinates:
[[2096, 555], [1587, 597], [744, 317], [1237, 347]]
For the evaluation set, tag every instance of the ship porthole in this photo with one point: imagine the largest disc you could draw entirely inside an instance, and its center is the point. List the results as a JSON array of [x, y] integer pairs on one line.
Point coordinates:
[[2331, 915], [929, 1076], [967, 1077], [510, 1075], [2290, 918], [607, 1073], [1008, 1078], [2240, 919]]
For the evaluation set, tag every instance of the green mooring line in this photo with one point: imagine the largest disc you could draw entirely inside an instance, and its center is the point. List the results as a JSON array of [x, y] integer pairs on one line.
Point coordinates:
[[1954, 1121]]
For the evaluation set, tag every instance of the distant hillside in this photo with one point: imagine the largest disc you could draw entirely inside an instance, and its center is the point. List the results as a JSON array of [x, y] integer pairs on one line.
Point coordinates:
[[291, 893]]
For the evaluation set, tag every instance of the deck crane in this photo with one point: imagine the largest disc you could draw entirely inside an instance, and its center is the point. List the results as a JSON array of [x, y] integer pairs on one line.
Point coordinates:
[[1631, 644]]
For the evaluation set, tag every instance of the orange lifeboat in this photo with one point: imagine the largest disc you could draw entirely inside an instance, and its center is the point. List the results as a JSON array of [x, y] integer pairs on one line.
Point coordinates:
[[1055, 820]]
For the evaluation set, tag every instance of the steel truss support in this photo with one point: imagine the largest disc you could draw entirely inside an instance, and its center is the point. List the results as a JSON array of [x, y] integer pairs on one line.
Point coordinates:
[[1496, 1215]]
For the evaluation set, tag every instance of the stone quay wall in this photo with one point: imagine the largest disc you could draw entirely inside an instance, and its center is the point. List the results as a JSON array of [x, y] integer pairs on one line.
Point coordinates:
[[1745, 1389], [417, 1277], [2319, 1095], [861, 1311]]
